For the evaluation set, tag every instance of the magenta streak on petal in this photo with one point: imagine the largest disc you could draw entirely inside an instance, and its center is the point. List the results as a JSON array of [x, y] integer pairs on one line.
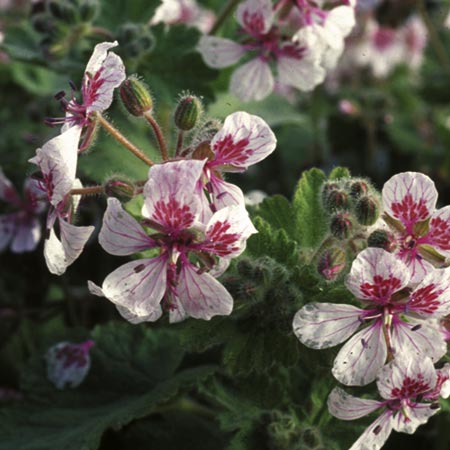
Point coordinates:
[[229, 152], [254, 23], [381, 289], [173, 215], [439, 234], [219, 242], [425, 299], [409, 211]]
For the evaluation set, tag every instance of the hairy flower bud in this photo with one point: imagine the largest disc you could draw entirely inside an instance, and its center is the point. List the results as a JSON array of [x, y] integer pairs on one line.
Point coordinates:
[[341, 226], [88, 10], [331, 263], [367, 210], [382, 239], [135, 97], [358, 188], [68, 364], [336, 199], [119, 188], [187, 113]]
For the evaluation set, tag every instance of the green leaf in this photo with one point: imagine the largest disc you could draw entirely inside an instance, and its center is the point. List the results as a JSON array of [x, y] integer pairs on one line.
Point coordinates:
[[338, 173], [134, 370], [310, 219]]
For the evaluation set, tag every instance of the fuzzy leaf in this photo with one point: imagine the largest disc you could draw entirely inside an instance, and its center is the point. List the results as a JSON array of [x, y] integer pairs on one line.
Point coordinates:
[[338, 173]]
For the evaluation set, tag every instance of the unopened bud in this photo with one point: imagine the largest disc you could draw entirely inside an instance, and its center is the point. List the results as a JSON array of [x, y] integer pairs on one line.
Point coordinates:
[[88, 10], [119, 188], [336, 199], [382, 239], [189, 110], [68, 364], [367, 210], [358, 188], [331, 263], [341, 226], [136, 97]]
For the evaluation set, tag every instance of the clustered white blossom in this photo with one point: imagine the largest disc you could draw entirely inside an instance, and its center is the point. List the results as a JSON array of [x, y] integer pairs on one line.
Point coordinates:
[[397, 333], [290, 44]]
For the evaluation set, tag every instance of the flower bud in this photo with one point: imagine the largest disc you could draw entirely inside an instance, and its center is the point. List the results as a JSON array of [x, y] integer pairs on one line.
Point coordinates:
[[358, 188], [341, 226], [68, 364], [367, 210], [382, 239], [119, 188], [88, 10], [327, 188], [331, 263], [187, 113], [136, 97], [336, 199]]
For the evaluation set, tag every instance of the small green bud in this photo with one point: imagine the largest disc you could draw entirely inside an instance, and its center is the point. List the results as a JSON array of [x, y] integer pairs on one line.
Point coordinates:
[[135, 97], [367, 210], [336, 199], [327, 188], [187, 113], [68, 13], [358, 188], [119, 188], [382, 239], [88, 10], [331, 263], [341, 226]]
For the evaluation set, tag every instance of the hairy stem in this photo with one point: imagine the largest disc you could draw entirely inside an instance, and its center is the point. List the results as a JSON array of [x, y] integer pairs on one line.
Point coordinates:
[[159, 135], [121, 139], [223, 15], [87, 190]]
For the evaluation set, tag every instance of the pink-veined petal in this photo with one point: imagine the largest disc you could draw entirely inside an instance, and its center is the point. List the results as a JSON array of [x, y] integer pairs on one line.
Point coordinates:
[[121, 234], [201, 295], [220, 52], [8, 192], [255, 16], [61, 253], [302, 72], [439, 232], [340, 20], [104, 72], [33, 196], [406, 377], [177, 313], [171, 197], [417, 266], [360, 359], [243, 140], [252, 81], [324, 325], [133, 318], [8, 224], [409, 197], [27, 235], [138, 286], [377, 275], [57, 160], [432, 296], [418, 339], [412, 416], [347, 407], [376, 434], [225, 194], [227, 232]]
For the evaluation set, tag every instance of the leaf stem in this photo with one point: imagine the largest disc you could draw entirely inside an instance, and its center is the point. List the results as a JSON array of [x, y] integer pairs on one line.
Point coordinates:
[[121, 139], [223, 15], [158, 134], [179, 143], [87, 190]]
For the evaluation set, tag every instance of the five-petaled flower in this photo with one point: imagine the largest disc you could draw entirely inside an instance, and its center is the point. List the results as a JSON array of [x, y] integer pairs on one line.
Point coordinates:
[[20, 228], [410, 389], [422, 231], [185, 249], [395, 317]]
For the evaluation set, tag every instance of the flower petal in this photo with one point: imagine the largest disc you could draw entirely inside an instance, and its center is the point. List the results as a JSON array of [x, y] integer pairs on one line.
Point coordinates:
[[8, 224], [8, 192], [243, 140], [219, 53], [376, 275], [360, 359], [324, 325], [133, 318], [201, 295], [121, 234], [57, 160], [439, 232], [376, 434], [409, 197], [227, 232], [347, 407], [412, 416], [27, 236], [224, 194], [252, 81], [171, 197], [138, 286], [418, 339], [406, 377], [255, 16]]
